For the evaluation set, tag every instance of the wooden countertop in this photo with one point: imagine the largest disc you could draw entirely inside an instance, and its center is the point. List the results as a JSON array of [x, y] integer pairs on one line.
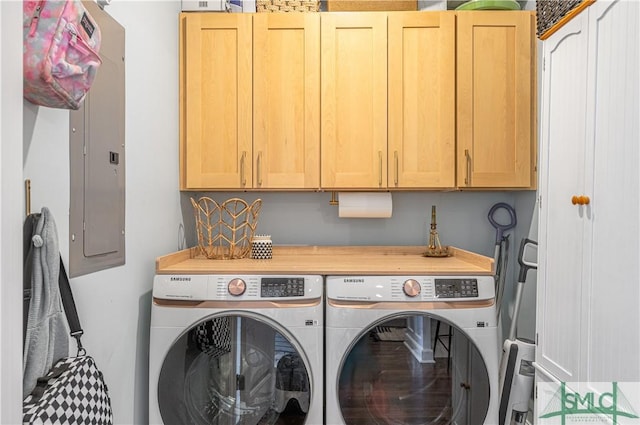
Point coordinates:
[[333, 260]]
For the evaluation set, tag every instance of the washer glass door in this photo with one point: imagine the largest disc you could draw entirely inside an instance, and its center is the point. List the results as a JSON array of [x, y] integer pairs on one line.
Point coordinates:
[[389, 376], [233, 369]]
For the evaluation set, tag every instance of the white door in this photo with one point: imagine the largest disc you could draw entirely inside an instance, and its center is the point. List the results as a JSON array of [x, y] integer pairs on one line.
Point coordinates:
[[561, 226], [588, 293], [612, 317]]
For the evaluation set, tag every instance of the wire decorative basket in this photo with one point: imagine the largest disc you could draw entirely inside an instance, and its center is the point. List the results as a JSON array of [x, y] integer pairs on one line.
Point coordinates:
[[550, 12], [225, 230], [287, 5]]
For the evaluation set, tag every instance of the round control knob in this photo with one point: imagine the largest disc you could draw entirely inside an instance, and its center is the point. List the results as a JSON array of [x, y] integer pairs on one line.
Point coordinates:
[[237, 287], [411, 287]]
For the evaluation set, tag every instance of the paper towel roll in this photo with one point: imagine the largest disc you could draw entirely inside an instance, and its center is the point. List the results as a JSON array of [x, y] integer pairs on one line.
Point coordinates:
[[364, 204]]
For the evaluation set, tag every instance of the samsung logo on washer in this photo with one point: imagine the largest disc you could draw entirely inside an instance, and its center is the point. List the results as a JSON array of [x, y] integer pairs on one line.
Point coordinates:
[[353, 280], [180, 279]]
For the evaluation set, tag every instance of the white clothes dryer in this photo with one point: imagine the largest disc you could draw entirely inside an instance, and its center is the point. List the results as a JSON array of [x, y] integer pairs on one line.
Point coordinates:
[[241, 350], [382, 366]]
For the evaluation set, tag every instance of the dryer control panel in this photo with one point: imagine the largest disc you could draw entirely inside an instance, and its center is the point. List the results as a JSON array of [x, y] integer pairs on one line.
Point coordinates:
[[410, 288], [456, 288]]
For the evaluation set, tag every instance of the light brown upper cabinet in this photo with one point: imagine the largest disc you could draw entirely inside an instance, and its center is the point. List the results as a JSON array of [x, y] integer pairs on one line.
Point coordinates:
[[250, 101], [357, 101], [354, 100], [215, 101], [496, 140], [421, 108], [286, 101]]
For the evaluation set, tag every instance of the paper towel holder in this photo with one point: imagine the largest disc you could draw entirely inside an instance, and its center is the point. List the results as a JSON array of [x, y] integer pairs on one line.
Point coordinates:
[[334, 198], [367, 204]]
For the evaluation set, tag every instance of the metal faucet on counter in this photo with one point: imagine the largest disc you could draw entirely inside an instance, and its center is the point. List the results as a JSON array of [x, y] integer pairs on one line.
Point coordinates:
[[434, 248]]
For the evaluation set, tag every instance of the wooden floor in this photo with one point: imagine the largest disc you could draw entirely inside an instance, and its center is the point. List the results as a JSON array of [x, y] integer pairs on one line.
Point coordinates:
[[382, 383]]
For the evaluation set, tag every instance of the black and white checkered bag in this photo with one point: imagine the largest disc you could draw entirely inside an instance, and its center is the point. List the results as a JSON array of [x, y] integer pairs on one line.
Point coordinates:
[[73, 392]]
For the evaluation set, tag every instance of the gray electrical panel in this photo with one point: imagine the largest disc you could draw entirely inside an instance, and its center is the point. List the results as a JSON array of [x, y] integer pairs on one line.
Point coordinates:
[[97, 159]]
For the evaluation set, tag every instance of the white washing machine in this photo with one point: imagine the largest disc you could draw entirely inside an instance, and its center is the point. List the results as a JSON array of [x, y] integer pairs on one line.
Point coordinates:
[[241, 350], [381, 364]]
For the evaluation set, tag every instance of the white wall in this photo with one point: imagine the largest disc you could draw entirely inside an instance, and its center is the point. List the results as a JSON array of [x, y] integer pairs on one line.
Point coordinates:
[[11, 212], [114, 305]]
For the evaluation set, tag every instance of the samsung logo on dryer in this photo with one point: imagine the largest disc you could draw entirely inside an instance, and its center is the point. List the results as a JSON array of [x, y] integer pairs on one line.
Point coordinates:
[[180, 279], [353, 280]]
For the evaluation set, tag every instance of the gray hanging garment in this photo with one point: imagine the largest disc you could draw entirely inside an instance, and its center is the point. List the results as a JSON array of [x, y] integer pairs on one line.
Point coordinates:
[[28, 231], [47, 335]]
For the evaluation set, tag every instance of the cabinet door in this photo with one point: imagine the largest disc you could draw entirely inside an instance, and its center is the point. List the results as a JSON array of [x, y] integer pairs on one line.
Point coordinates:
[[215, 100], [354, 100], [561, 225], [612, 292], [496, 99], [286, 101], [421, 110]]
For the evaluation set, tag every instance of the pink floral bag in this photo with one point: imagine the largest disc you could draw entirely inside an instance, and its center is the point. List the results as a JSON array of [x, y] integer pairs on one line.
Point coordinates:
[[61, 45]]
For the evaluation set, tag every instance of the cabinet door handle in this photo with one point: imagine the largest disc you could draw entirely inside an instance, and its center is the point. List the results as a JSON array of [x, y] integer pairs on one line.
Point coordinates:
[[467, 178], [395, 171], [580, 200], [259, 168], [243, 179], [380, 168]]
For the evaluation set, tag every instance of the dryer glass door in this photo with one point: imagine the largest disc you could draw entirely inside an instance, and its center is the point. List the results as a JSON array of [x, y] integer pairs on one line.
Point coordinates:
[[233, 370], [398, 372]]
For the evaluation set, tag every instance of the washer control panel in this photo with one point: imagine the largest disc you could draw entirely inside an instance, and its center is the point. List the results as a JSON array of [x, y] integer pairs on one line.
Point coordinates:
[[282, 287], [237, 287], [456, 288]]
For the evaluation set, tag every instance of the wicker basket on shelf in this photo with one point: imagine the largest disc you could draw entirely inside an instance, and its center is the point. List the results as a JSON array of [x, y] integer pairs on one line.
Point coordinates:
[[287, 5], [225, 230], [549, 14]]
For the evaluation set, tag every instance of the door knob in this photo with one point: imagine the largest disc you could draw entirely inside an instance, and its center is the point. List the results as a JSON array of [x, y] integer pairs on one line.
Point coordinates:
[[580, 200]]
